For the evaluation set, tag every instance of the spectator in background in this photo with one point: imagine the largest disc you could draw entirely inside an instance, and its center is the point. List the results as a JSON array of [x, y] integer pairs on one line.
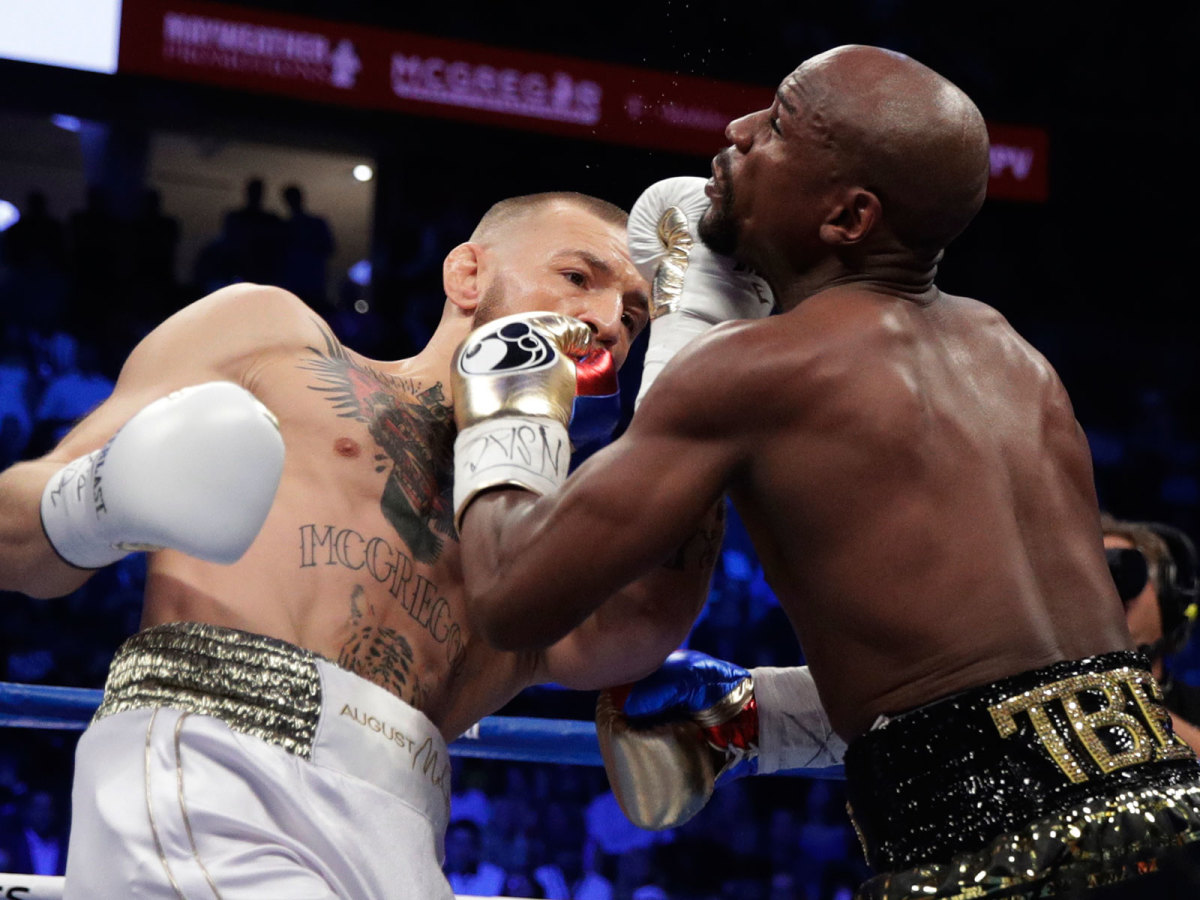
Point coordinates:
[[466, 870], [37, 239], [307, 247], [12, 788], [33, 294], [94, 235], [1160, 613], [253, 238], [39, 846], [470, 800], [155, 242], [522, 884], [514, 817], [612, 833], [580, 873], [825, 841], [16, 395], [213, 268], [74, 386]]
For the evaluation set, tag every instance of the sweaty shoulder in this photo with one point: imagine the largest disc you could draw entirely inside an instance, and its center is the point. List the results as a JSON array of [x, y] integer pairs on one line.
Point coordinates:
[[992, 332], [229, 334], [733, 368]]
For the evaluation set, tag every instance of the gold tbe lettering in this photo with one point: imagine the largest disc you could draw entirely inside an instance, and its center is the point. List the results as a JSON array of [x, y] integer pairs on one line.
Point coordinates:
[[1149, 735], [1149, 699]]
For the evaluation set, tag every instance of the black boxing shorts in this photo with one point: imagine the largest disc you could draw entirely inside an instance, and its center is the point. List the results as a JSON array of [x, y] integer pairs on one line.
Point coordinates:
[[1066, 781]]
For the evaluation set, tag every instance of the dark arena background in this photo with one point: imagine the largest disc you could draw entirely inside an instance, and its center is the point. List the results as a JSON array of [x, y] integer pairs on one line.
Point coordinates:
[[129, 130]]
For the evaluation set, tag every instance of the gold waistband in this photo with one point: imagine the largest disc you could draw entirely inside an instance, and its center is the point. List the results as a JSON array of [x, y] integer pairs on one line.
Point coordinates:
[[260, 686]]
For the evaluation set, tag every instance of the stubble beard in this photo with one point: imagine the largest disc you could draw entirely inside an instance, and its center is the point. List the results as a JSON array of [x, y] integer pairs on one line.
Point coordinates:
[[491, 304], [718, 231], [717, 228]]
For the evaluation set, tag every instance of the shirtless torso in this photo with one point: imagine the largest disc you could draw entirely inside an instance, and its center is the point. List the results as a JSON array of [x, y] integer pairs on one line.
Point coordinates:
[[909, 468], [358, 559], [912, 476]]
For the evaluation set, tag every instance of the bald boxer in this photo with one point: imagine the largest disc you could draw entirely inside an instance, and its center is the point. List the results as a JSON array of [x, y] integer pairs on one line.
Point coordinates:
[[278, 727], [921, 497]]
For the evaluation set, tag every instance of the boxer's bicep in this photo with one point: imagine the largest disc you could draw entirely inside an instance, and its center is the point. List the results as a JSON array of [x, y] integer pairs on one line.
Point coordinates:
[[221, 337], [632, 632]]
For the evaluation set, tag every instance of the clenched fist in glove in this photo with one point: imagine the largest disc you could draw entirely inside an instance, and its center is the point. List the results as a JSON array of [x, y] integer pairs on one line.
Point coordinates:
[[698, 722], [515, 381], [692, 288], [195, 470]]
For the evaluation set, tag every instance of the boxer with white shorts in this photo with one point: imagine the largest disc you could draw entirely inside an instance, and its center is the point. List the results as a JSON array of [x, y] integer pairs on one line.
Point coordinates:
[[278, 728]]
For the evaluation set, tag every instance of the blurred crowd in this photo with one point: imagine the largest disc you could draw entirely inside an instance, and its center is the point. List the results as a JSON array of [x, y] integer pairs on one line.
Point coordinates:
[[76, 294], [556, 831]]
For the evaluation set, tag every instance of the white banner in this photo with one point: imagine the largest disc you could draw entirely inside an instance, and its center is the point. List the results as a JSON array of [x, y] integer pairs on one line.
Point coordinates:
[[74, 34]]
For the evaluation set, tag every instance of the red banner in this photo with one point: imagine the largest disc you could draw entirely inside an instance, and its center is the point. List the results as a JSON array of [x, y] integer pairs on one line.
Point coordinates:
[[372, 68], [1020, 162], [352, 65]]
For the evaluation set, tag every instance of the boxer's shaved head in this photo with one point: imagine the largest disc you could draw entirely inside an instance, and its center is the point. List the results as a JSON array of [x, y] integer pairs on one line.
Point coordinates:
[[862, 151], [498, 221], [558, 251], [903, 131]]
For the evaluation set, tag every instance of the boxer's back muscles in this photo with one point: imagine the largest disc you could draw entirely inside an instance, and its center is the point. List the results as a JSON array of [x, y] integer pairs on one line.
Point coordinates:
[[922, 497]]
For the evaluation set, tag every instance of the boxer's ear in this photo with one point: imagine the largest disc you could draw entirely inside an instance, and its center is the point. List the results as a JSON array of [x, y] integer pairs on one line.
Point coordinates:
[[461, 276], [853, 218]]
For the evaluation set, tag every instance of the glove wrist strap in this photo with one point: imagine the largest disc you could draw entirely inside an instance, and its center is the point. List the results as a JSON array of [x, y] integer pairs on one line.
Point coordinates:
[[73, 514], [528, 452], [794, 731]]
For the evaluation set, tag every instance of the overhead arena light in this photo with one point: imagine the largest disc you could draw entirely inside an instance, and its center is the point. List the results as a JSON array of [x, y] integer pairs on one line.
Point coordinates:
[[66, 123], [9, 215]]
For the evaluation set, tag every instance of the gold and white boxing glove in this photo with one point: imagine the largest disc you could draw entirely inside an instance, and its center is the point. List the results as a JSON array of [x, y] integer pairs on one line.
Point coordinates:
[[514, 388], [692, 288]]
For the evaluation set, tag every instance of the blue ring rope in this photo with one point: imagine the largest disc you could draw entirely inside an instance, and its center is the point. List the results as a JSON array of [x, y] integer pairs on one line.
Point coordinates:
[[512, 738]]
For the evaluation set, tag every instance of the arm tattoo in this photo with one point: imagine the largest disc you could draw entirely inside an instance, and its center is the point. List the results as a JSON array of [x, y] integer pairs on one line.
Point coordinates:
[[414, 429], [700, 550]]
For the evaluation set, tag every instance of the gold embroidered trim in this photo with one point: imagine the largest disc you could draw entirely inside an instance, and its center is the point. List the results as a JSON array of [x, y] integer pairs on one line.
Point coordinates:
[[1098, 842], [257, 685]]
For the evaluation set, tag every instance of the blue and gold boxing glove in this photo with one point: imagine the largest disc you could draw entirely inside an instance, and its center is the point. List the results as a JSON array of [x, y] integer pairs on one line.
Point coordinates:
[[698, 722]]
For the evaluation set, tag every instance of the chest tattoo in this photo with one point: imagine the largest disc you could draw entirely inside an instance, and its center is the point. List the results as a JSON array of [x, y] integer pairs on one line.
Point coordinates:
[[413, 429]]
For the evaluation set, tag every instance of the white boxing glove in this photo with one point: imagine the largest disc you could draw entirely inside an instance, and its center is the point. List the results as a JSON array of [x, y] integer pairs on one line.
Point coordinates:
[[195, 470], [692, 288]]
